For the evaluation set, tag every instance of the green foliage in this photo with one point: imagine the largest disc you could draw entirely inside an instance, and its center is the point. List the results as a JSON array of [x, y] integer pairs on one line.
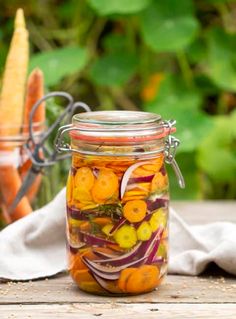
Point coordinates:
[[176, 58], [222, 47], [215, 154], [106, 7], [114, 69], [59, 63], [169, 26], [175, 100]]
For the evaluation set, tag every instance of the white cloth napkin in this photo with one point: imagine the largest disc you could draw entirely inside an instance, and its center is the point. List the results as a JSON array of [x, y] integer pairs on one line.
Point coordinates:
[[34, 247]]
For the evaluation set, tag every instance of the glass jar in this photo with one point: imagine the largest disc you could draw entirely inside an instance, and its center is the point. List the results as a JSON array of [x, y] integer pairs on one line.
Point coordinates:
[[14, 166], [118, 200]]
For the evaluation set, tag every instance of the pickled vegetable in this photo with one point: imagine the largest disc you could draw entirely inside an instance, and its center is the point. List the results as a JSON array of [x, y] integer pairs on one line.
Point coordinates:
[[135, 210], [126, 236], [117, 217], [144, 231]]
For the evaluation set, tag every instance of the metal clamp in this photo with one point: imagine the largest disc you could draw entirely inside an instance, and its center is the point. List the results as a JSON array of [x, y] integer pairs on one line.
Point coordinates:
[[170, 151]]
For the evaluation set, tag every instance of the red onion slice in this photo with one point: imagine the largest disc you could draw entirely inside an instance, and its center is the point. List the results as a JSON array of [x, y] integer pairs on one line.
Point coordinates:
[[105, 285], [118, 225], [121, 260], [141, 179], [127, 174], [94, 240], [112, 270]]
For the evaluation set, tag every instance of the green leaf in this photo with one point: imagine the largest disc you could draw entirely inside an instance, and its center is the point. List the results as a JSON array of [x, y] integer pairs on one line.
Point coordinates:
[[196, 51], [169, 25], [106, 7], [188, 167], [217, 152], [115, 42], [175, 100], [114, 69], [59, 63], [222, 58]]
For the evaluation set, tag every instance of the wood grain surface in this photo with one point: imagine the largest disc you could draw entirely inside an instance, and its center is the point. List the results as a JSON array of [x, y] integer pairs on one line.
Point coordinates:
[[212, 295]]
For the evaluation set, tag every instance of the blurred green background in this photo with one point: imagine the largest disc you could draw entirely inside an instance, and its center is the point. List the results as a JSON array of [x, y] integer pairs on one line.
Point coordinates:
[[176, 58]]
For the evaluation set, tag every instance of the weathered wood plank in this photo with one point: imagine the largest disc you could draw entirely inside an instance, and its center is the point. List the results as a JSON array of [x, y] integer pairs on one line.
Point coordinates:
[[119, 311], [176, 289], [202, 212]]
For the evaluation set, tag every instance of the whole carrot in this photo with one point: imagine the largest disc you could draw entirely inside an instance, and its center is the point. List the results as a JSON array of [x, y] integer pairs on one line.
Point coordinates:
[[9, 189], [11, 113], [14, 77], [34, 91]]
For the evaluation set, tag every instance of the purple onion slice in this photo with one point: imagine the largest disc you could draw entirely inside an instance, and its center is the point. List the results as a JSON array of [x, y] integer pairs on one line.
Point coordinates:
[[127, 174]]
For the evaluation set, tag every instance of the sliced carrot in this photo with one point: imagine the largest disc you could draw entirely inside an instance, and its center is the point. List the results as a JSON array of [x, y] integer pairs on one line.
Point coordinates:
[[135, 210], [85, 226], [84, 178], [82, 195], [130, 198], [105, 186], [77, 161], [77, 264], [144, 279], [82, 275], [136, 193], [102, 221], [88, 206], [140, 172], [124, 276], [91, 286], [159, 182], [69, 188], [155, 166]]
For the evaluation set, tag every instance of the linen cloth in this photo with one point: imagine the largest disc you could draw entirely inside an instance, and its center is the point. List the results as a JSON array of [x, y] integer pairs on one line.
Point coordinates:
[[34, 247]]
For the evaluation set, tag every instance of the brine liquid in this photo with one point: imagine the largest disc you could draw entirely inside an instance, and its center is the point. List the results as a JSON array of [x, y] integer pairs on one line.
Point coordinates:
[[117, 224]]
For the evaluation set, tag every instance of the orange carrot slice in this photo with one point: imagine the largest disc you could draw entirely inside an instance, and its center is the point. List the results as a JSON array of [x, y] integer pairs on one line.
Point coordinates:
[[82, 195], [135, 210], [84, 178], [143, 279], [85, 226], [82, 275], [130, 198], [105, 186], [124, 276], [77, 264], [69, 189], [102, 221], [159, 182], [91, 286]]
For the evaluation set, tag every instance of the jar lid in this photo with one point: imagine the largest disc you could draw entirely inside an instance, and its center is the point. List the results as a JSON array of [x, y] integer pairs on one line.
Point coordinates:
[[119, 126]]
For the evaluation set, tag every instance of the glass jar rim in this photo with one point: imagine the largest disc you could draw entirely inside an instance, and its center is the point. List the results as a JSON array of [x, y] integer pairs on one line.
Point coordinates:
[[11, 133], [119, 126], [116, 117]]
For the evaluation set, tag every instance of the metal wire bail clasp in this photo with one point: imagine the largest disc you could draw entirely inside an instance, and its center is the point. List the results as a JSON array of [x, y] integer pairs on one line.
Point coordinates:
[[170, 150], [60, 144]]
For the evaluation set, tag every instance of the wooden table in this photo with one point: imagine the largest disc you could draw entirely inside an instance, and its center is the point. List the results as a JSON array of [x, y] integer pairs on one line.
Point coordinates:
[[180, 297]]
